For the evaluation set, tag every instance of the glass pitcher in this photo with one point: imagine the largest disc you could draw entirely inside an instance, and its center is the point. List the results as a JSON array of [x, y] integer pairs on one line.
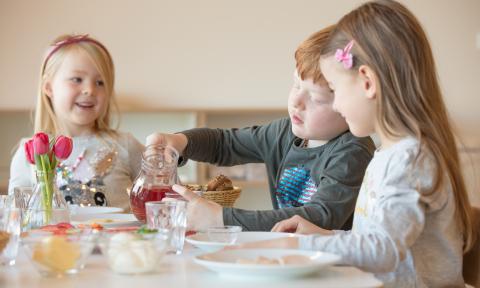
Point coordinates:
[[154, 182]]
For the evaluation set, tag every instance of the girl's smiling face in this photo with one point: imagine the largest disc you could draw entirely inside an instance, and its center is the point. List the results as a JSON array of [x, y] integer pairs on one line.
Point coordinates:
[[77, 93]]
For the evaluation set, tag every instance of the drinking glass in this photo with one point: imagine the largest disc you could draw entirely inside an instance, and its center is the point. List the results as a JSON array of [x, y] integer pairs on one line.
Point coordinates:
[[10, 219], [7, 201], [169, 217], [22, 195]]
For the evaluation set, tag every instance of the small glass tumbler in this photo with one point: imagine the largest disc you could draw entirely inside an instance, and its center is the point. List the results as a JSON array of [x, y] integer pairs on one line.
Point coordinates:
[[224, 234], [7, 201], [10, 219], [22, 195], [169, 217]]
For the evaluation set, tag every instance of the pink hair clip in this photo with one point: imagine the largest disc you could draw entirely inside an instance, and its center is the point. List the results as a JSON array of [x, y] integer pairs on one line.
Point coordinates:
[[345, 56]]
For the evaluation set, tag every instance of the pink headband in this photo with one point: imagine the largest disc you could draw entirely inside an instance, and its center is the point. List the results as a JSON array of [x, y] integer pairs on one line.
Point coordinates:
[[71, 40], [344, 56]]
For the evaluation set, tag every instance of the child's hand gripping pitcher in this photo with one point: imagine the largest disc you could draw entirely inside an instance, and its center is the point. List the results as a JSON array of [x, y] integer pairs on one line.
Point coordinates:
[[156, 177]]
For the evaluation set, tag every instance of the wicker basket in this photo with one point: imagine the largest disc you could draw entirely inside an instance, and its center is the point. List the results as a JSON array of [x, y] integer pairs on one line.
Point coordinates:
[[225, 198]]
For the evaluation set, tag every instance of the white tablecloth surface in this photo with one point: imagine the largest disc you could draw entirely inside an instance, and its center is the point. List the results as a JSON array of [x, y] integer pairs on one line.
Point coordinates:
[[175, 271]]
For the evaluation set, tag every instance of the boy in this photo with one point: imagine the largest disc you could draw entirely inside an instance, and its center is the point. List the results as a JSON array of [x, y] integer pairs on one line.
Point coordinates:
[[315, 165]]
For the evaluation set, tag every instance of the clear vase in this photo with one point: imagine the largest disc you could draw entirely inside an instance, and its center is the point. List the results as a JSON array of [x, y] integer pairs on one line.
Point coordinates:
[[47, 205]]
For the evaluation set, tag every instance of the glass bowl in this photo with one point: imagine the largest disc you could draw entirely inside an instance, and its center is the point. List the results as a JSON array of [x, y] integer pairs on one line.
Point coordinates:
[[133, 252], [224, 234], [55, 255]]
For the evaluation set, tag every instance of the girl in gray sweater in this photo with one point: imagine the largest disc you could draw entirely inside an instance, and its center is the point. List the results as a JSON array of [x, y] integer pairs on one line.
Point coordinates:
[[412, 221]]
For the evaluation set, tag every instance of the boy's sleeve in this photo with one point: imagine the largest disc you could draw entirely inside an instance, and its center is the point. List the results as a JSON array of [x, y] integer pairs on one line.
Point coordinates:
[[228, 147], [333, 203], [20, 170]]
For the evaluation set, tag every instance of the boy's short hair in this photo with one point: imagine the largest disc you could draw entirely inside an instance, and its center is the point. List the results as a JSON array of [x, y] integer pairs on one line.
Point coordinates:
[[308, 54]]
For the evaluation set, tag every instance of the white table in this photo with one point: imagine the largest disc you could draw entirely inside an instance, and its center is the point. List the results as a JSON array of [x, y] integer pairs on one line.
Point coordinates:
[[175, 271]]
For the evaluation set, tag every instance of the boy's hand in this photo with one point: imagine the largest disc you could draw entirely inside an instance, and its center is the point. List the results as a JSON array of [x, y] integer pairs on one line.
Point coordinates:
[[177, 141], [201, 213], [297, 224]]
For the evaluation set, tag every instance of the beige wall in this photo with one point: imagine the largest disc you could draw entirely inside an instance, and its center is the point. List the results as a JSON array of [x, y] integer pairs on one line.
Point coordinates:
[[218, 53]]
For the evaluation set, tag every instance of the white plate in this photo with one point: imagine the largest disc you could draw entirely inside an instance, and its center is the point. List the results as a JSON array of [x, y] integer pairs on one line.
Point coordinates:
[[202, 241], [106, 220], [80, 210], [225, 262]]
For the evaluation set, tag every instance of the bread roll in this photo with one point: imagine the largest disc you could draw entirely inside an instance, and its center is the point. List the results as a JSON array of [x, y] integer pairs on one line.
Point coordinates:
[[220, 183]]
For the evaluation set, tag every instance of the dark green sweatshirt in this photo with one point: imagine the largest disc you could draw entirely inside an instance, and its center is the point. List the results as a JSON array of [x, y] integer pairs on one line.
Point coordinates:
[[320, 184]]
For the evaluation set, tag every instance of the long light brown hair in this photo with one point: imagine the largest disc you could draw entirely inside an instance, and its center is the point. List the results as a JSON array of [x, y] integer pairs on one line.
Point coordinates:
[[45, 118], [390, 40]]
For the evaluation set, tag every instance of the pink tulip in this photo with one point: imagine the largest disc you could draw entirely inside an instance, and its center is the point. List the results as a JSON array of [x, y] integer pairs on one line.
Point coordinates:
[[29, 151], [41, 144], [63, 147]]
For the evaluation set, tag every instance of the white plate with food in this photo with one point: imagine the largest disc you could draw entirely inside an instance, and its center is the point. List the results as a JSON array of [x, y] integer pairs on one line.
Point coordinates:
[[266, 262], [106, 220], [83, 210], [202, 240]]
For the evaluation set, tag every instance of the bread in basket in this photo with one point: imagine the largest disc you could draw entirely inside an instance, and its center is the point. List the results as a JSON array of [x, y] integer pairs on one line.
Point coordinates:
[[220, 190]]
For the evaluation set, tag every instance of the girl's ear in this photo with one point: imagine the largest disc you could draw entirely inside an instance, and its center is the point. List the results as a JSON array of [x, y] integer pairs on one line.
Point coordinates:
[[369, 80], [47, 88]]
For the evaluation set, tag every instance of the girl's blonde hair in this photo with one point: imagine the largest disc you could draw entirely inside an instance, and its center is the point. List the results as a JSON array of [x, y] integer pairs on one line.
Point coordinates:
[[390, 40], [45, 118]]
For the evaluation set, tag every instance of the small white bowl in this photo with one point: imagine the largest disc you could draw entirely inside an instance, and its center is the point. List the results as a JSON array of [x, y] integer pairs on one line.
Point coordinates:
[[201, 240], [224, 234]]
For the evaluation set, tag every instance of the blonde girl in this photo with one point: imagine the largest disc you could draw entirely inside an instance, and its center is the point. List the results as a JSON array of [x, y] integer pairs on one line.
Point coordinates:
[[76, 98]]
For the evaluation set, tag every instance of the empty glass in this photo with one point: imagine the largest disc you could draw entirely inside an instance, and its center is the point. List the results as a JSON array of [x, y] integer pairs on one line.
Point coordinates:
[[169, 217], [10, 219], [7, 201], [22, 195]]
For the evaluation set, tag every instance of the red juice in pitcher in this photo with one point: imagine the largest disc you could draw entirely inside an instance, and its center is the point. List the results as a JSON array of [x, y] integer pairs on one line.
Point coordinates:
[[138, 198], [154, 182]]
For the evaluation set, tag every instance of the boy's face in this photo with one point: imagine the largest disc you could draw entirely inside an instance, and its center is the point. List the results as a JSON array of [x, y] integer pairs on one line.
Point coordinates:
[[311, 112]]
